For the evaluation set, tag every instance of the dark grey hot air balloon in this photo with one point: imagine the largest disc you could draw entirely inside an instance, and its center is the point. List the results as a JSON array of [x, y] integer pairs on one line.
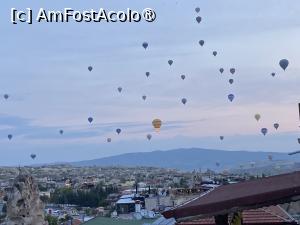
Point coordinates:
[[6, 96], [147, 74], [273, 74], [201, 42], [214, 53], [276, 125], [90, 119], [221, 70], [231, 81], [197, 9], [108, 140], [120, 89], [61, 132], [232, 70], [264, 131], [221, 138], [33, 156], [182, 77], [230, 97], [90, 68], [198, 19], [144, 97], [118, 131], [184, 101], [170, 62], [10, 136], [145, 45], [283, 63], [149, 136]]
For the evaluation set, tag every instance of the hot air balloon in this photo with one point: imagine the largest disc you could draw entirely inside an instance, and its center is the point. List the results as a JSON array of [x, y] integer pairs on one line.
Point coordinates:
[[201, 42], [6, 96], [61, 132], [197, 10], [183, 101], [118, 131], [108, 140], [149, 136], [147, 74], [273, 74], [232, 70], [299, 140], [182, 77], [198, 19], [276, 125], [90, 68], [214, 53], [33, 156], [257, 117], [120, 89], [221, 138], [157, 124], [145, 45], [90, 119], [231, 81], [264, 131], [230, 97], [10, 136], [144, 97], [284, 63], [170, 61], [221, 70]]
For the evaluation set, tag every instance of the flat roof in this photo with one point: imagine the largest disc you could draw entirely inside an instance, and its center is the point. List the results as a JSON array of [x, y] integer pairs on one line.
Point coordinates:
[[244, 195]]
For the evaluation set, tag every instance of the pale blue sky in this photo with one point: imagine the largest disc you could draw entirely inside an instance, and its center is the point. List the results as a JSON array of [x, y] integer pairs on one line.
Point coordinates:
[[44, 69]]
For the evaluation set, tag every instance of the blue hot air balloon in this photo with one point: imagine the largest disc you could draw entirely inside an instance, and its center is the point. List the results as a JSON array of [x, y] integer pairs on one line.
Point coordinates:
[[221, 138], [184, 101], [197, 9], [232, 70], [276, 125], [231, 97], [198, 19], [147, 74], [182, 77], [90, 119], [170, 62], [231, 81], [144, 97], [273, 74], [108, 140], [90, 68], [6, 96], [221, 70], [145, 45], [61, 132], [214, 53], [120, 89], [10, 136], [118, 131], [264, 131], [283, 63], [33, 156], [201, 42], [149, 136]]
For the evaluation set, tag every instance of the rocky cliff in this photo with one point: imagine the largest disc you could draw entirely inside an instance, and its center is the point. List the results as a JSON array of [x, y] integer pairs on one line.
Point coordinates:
[[24, 206]]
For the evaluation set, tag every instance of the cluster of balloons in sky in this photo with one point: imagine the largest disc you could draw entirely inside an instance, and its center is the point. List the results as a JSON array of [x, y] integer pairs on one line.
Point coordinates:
[[157, 123]]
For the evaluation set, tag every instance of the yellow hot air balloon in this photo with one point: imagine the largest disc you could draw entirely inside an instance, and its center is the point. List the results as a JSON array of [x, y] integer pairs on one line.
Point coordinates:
[[257, 117], [156, 124]]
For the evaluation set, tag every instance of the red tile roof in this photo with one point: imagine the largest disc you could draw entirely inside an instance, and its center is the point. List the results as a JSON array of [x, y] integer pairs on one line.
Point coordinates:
[[245, 195], [273, 215]]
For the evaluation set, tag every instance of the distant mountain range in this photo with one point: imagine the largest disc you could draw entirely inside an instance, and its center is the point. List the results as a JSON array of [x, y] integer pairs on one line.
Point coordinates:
[[192, 158]]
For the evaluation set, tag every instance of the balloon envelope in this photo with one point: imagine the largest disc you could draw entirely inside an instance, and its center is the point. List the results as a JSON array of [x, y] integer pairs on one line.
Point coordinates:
[[231, 97], [170, 62], [231, 81], [221, 70], [215, 53], [6, 96], [257, 116], [273, 74], [276, 125], [145, 45], [10, 136], [221, 138], [184, 101], [90, 68], [149, 136], [201, 42], [120, 89], [284, 63], [118, 131], [147, 74], [61, 131], [232, 71], [108, 140], [157, 124], [198, 19], [33, 156], [144, 97], [182, 77], [90, 119], [264, 131], [197, 9]]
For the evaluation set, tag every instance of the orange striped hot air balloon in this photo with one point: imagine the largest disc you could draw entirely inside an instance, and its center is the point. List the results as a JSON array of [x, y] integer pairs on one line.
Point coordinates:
[[156, 124]]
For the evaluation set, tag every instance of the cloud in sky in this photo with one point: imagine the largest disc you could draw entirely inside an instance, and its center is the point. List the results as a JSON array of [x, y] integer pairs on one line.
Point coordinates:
[[44, 69]]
